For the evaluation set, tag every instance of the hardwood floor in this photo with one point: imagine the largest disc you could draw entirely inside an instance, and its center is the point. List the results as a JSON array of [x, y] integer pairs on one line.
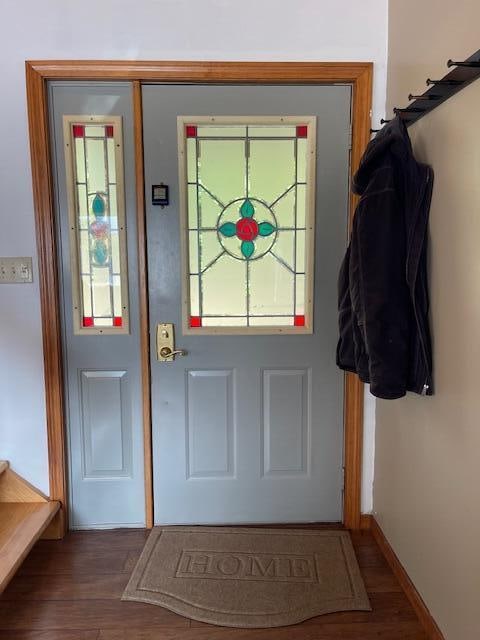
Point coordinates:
[[71, 589]]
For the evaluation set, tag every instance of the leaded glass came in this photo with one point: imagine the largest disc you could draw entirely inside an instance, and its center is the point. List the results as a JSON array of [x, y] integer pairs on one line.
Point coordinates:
[[97, 223], [249, 214]]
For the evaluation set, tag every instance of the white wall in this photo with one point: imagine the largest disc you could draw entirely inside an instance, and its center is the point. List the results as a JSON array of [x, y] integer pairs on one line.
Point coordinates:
[[149, 29]]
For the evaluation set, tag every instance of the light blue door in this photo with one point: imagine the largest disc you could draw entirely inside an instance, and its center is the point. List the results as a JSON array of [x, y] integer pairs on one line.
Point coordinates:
[[92, 141], [248, 424]]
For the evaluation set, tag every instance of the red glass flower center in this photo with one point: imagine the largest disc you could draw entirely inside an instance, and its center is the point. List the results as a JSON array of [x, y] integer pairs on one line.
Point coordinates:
[[99, 229], [247, 229]]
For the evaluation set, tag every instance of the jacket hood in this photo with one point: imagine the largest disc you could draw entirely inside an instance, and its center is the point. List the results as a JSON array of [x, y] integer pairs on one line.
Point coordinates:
[[392, 138]]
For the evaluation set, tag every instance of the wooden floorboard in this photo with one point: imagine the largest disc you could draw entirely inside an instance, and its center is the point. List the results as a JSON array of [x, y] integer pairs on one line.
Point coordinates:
[[71, 589]]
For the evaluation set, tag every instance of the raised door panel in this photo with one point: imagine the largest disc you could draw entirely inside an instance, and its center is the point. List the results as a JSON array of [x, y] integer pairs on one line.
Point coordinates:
[[286, 421], [210, 424], [106, 424]]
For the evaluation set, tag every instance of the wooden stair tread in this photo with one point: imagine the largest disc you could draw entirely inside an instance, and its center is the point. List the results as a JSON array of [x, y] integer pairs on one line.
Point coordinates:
[[21, 524], [3, 466]]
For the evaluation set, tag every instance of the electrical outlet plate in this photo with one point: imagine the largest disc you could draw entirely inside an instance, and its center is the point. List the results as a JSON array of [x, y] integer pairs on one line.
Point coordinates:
[[15, 270]]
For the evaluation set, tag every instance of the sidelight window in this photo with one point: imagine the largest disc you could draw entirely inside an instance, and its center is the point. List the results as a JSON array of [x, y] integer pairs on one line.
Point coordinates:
[[94, 162]]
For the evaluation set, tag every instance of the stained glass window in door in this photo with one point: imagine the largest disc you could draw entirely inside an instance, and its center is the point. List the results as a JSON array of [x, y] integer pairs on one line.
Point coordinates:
[[94, 162], [248, 212]]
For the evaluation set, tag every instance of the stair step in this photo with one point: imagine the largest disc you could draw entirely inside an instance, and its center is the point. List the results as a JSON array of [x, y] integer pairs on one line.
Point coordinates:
[[3, 466], [21, 524]]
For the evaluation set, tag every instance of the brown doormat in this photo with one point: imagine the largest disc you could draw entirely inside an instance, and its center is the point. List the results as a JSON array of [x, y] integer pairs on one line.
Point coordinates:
[[248, 577]]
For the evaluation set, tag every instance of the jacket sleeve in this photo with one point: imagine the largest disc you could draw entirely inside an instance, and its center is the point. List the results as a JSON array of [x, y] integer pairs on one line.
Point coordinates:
[[345, 345], [381, 299]]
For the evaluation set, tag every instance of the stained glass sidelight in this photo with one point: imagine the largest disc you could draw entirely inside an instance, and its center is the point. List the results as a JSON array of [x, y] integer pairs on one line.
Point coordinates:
[[249, 219], [97, 223]]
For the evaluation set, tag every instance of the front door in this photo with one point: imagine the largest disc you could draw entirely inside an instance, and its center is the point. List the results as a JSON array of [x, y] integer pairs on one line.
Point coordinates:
[[243, 252]]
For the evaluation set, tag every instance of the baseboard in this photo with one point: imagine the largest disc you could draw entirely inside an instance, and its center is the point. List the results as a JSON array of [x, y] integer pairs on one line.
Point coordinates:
[[366, 521], [421, 609], [57, 527]]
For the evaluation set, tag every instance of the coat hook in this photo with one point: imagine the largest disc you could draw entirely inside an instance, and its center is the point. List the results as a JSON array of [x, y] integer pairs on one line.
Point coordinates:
[[408, 110], [473, 63], [430, 96], [382, 121], [445, 82]]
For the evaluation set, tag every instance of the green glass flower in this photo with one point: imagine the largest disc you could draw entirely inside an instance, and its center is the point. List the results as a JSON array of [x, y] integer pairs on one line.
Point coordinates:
[[265, 229], [228, 229], [98, 206], [247, 248], [247, 209]]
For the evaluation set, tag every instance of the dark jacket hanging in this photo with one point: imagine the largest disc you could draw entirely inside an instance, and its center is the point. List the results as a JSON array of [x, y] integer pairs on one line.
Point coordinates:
[[383, 294]]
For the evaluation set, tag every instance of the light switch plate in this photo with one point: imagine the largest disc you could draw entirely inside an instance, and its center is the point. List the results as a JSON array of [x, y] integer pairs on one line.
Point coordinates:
[[15, 270]]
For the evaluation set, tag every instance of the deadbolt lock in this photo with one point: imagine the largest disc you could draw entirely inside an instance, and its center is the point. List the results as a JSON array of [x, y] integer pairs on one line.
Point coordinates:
[[166, 351]]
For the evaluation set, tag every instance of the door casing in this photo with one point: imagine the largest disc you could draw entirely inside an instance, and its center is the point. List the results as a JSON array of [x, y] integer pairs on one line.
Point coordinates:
[[38, 73]]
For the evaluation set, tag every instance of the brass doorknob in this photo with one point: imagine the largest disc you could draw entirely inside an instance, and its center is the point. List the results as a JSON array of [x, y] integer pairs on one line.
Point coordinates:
[[166, 352]]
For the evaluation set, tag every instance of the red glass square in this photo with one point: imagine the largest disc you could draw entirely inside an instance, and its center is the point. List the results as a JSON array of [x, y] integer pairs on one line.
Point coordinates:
[[109, 130], [78, 131], [299, 321], [87, 321], [191, 130], [195, 321], [302, 131], [117, 321]]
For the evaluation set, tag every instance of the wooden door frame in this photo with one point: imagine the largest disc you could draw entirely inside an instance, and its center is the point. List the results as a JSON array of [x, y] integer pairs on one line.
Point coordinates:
[[38, 73]]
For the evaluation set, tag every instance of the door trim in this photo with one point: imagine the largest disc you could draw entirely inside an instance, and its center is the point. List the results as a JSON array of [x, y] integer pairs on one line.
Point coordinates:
[[38, 73], [143, 301]]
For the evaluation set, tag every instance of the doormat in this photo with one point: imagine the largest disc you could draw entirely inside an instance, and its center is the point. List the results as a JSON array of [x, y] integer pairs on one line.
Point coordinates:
[[242, 577]]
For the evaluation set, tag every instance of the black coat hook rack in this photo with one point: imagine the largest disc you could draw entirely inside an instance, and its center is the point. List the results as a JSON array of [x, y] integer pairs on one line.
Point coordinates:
[[463, 73]]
